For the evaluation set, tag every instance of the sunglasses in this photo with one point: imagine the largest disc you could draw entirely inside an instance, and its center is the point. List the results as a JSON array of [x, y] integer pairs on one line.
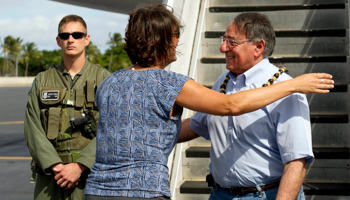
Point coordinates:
[[76, 35]]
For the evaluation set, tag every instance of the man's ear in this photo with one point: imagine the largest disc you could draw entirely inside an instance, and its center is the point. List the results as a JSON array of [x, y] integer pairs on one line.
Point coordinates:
[[259, 48], [87, 40], [58, 41]]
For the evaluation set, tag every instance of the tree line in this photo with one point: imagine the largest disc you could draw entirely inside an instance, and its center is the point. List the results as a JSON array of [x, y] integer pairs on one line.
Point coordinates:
[[19, 59]]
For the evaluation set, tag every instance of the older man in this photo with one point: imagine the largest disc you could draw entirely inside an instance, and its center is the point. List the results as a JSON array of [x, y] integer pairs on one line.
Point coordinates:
[[262, 154]]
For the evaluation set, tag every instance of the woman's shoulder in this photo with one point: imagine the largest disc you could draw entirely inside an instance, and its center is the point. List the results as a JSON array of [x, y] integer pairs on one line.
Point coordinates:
[[169, 75], [111, 79], [120, 71], [156, 76]]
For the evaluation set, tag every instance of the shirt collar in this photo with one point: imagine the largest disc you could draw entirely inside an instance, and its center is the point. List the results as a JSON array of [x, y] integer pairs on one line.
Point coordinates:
[[63, 70], [253, 76]]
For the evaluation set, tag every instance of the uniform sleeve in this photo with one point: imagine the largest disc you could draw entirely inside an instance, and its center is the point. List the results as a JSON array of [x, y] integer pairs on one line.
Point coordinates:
[[40, 148], [106, 73], [88, 154], [293, 128]]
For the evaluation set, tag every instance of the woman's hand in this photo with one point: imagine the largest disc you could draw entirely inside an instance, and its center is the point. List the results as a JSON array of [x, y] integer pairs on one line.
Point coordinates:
[[313, 83]]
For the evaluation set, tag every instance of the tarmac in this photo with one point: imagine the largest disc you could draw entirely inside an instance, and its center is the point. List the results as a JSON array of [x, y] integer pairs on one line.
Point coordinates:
[[15, 159]]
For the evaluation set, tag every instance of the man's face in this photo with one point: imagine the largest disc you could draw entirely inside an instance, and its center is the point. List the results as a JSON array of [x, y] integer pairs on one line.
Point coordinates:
[[73, 47], [239, 57]]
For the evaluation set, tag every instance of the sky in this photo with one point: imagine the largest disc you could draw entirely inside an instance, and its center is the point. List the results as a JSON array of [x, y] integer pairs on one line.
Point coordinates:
[[37, 21]]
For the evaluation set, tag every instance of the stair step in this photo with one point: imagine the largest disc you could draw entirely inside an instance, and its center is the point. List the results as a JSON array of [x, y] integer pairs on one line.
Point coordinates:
[[308, 59], [305, 47], [303, 19], [333, 103], [200, 141], [218, 9], [327, 171], [291, 33], [331, 153], [334, 189], [198, 152], [319, 152], [195, 187], [336, 118], [330, 135], [264, 3]]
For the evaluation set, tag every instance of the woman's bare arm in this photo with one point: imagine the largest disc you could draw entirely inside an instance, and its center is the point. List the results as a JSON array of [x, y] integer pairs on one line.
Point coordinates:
[[198, 98]]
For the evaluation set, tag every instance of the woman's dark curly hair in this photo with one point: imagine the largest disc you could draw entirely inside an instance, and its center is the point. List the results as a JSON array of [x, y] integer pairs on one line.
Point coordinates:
[[148, 36]]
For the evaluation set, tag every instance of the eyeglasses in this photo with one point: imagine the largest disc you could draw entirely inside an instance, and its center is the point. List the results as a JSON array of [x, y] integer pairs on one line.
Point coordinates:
[[177, 35], [76, 35], [231, 42]]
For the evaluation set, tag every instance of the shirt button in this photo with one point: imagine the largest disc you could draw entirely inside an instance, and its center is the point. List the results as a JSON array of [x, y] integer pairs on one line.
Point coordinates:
[[231, 170], [229, 148], [237, 89]]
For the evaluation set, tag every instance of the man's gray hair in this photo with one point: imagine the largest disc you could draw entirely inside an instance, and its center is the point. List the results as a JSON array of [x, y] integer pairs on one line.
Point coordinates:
[[255, 27]]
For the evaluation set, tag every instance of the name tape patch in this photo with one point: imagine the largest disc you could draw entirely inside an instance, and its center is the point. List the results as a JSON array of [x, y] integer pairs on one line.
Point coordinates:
[[48, 95]]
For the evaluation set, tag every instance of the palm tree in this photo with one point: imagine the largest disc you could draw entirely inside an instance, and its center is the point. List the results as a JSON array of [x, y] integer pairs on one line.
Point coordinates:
[[114, 41], [30, 52], [92, 52], [14, 48], [5, 50]]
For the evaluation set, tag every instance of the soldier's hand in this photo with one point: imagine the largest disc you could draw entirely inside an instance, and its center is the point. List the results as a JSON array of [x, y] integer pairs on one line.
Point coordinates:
[[56, 168], [72, 185], [69, 176]]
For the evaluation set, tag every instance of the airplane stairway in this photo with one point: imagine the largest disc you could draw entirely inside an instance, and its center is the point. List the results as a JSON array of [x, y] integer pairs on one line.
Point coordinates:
[[312, 36]]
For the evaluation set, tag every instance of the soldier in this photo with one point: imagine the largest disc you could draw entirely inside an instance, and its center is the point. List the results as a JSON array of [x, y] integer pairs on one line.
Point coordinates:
[[60, 124]]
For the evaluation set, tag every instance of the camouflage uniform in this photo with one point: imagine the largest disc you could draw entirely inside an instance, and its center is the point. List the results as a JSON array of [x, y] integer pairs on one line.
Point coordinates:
[[52, 101]]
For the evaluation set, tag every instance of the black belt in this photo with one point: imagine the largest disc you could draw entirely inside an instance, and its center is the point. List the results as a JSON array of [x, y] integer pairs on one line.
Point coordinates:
[[247, 190], [241, 190]]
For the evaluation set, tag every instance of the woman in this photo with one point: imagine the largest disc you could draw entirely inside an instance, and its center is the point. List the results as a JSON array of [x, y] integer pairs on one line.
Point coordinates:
[[141, 106]]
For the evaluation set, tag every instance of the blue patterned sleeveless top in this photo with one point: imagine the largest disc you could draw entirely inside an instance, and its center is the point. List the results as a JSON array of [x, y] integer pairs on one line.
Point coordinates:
[[135, 134]]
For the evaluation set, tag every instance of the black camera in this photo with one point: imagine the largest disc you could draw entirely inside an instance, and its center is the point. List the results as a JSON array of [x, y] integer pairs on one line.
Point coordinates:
[[86, 123]]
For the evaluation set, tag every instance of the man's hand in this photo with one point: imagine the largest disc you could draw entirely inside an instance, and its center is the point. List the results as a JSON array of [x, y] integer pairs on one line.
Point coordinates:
[[67, 176], [56, 168]]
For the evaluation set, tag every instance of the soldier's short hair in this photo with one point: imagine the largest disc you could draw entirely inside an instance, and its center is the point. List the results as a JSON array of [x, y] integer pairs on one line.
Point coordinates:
[[72, 18]]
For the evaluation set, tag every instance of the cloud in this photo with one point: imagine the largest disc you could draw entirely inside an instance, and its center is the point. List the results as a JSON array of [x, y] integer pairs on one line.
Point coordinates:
[[37, 20], [111, 23], [39, 29]]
